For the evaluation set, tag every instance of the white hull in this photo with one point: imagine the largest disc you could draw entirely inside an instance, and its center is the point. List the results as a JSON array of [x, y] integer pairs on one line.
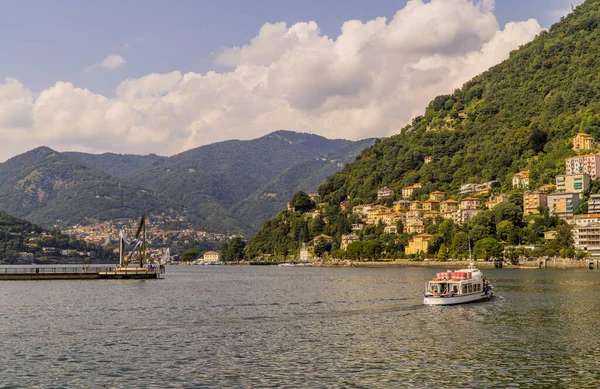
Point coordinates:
[[457, 299]]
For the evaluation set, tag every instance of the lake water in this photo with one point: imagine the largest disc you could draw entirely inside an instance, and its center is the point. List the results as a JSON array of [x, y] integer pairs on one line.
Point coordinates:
[[222, 326]]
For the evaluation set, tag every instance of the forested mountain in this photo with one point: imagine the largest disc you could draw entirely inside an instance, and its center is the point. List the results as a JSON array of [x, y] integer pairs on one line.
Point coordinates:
[[117, 165], [210, 184], [519, 115], [210, 180], [227, 172], [304, 176], [48, 188]]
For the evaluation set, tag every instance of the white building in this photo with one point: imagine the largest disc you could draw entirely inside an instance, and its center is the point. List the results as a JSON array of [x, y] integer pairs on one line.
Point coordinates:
[[587, 239], [521, 180], [594, 203]]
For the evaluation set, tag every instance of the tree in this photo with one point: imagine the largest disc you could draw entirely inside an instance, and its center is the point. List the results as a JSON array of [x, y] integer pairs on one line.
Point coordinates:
[[488, 248], [191, 255], [354, 250], [582, 254], [399, 226], [322, 246], [508, 211], [504, 229], [305, 236], [234, 250], [301, 202], [442, 254], [563, 238], [567, 252], [372, 249], [460, 245], [316, 226]]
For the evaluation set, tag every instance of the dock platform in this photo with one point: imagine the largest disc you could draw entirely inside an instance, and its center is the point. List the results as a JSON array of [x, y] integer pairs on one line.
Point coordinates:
[[44, 272]]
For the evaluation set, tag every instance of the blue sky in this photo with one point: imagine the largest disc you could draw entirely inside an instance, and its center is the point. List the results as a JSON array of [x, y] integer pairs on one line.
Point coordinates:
[[47, 41], [163, 77]]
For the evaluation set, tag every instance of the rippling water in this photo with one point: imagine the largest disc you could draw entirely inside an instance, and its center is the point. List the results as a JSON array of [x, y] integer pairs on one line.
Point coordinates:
[[221, 326]]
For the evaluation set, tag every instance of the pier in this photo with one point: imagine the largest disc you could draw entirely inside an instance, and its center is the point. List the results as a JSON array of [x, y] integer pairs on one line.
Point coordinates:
[[32, 272]]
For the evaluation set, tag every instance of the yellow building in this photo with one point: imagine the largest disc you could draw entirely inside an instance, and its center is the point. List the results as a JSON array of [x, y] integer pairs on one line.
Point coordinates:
[[532, 200], [449, 206], [415, 205], [418, 244], [431, 205], [437, 195], [491, 203], [212, 256], [470, 203], [407, 191], [583, 141]]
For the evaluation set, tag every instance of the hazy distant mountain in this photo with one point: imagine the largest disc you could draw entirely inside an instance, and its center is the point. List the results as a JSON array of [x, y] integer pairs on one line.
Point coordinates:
[[210, 180], [46, 187], [306, 176], [117, 165]]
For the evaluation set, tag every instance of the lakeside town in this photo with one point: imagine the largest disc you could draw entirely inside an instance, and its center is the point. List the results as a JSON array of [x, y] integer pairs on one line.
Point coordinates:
[[567, 198], [163, 232]]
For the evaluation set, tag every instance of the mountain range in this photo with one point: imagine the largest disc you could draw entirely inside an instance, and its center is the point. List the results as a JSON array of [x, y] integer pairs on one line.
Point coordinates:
[[220, 187]]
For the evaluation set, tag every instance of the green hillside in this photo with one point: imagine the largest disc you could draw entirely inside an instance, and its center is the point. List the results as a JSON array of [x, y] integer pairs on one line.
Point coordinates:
[[19, 237], [117, 165], [48, 188], [304, 176], [520, 115]]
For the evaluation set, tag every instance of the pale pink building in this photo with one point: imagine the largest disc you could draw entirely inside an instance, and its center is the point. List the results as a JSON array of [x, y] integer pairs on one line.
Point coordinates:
[[589, 164]]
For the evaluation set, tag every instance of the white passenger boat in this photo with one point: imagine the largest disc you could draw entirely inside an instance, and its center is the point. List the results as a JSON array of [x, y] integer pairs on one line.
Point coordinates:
[[458, 287]]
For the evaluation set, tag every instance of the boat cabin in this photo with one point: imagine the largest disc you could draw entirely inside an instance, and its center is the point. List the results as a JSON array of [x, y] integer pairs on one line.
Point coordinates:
[[454, 287]]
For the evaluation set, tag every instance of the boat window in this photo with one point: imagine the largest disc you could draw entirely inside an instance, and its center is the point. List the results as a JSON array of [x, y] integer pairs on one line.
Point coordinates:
[[470, 288], [455, 289], [464, 288], [477, 288]]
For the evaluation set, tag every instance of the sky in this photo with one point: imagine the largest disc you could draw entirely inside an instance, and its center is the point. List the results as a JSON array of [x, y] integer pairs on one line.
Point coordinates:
[[162, 77]]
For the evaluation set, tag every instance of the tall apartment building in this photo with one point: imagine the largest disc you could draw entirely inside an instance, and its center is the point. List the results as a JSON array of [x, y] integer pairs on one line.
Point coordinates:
[[587, 238], [577, 183], [594, 203], [563, 204], [532, 200], [589, 164]]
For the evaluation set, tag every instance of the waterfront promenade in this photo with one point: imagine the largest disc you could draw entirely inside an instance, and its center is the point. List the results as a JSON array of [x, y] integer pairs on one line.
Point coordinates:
[[537, 263]]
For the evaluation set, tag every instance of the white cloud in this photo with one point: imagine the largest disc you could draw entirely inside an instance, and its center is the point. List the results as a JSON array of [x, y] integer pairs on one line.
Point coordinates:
[[111, 62], [368, 81]]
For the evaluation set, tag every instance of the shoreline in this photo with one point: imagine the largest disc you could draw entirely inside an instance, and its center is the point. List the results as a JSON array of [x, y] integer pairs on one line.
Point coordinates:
[[559, 263]]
